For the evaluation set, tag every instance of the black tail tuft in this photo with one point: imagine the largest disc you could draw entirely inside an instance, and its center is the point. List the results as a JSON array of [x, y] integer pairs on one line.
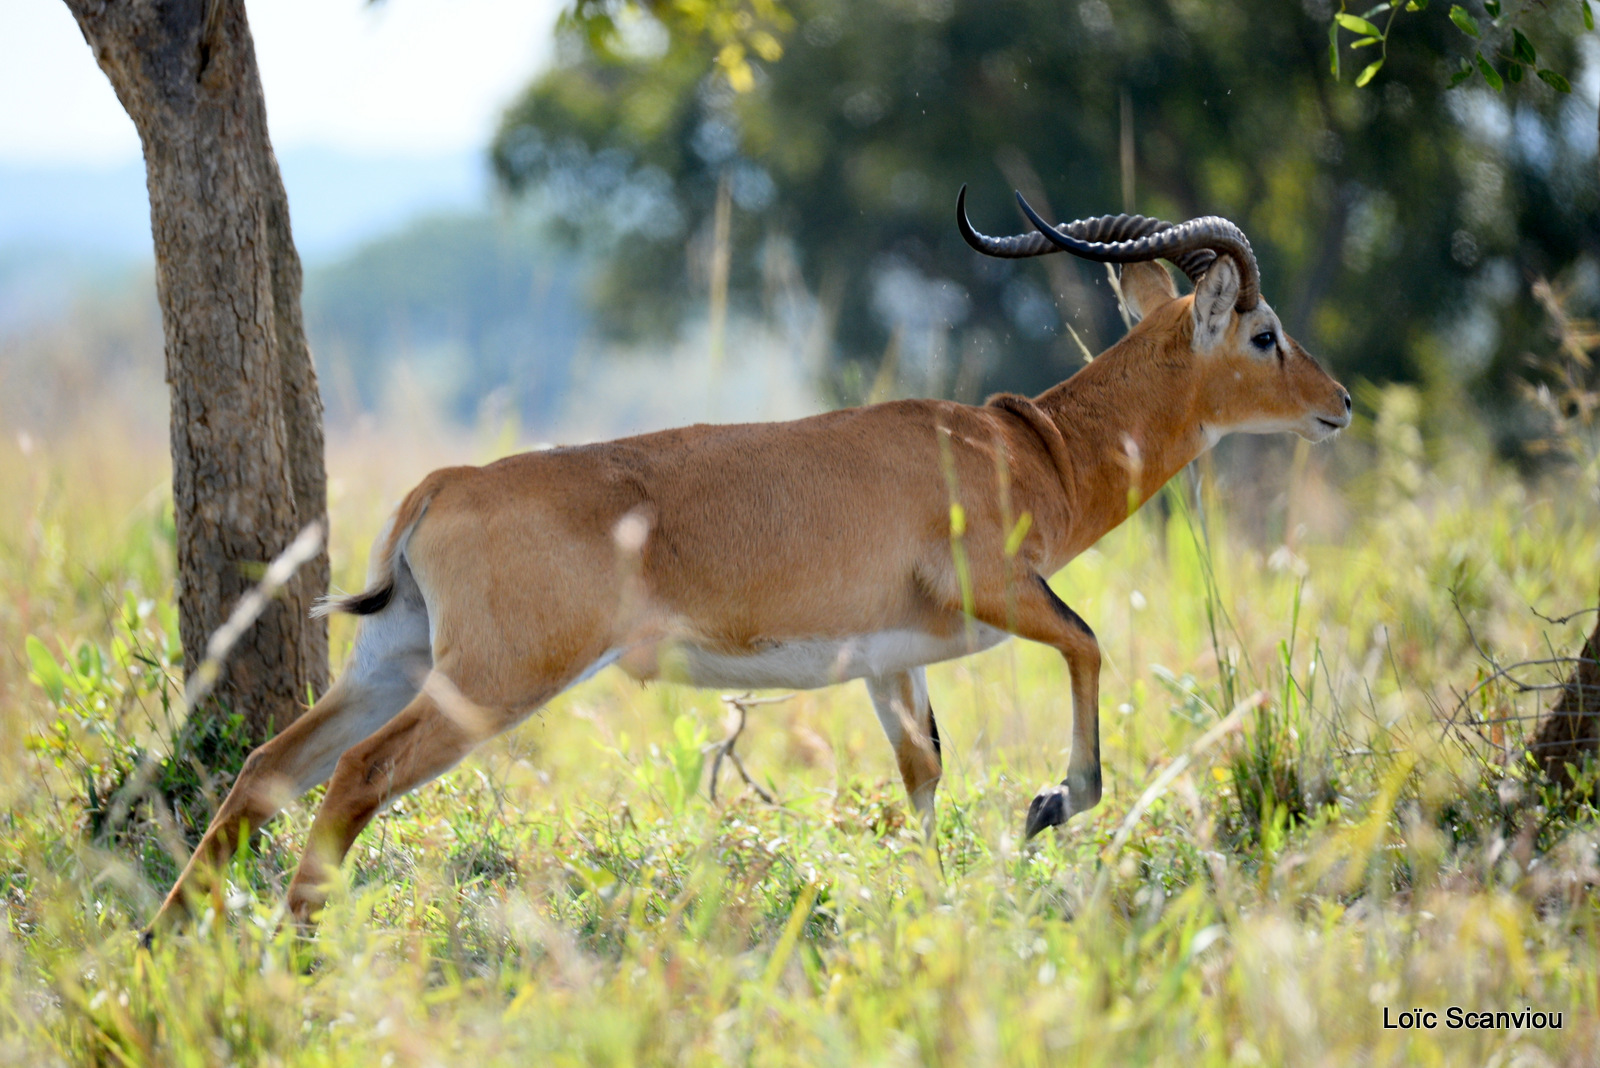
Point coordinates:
[[365, 603], [369, 602]]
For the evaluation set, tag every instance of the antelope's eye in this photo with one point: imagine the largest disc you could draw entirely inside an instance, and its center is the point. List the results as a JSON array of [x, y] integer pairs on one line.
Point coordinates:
[[1264, 340]]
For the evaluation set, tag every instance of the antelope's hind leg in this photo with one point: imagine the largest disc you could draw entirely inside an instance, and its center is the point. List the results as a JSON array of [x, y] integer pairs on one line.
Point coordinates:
[[440, 726], [389, 661], [901, 701]]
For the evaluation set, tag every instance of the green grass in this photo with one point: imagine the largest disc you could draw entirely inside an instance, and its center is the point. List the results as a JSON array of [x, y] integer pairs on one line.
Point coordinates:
[[569, 895]]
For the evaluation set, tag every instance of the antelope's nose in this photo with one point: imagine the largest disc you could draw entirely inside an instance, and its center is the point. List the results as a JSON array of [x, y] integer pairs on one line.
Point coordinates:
[[1341, 420]]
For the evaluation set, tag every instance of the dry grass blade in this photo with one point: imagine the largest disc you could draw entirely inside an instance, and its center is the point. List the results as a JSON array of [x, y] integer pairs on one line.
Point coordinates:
[[305, 546]]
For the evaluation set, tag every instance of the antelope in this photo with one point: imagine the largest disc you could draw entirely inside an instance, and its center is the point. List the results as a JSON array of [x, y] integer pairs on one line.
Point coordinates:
[[862, 543]]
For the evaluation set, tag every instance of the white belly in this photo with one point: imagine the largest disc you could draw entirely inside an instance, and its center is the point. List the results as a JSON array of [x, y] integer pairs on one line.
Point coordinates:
[[811, 663]]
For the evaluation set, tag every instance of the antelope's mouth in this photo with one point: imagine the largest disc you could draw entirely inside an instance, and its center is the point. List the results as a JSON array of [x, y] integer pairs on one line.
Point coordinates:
[[1322, 428]]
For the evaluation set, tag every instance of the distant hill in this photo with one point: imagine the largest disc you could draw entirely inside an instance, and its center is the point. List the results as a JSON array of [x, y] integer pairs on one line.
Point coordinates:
[[472, 304], [336, 201], [405, 263]]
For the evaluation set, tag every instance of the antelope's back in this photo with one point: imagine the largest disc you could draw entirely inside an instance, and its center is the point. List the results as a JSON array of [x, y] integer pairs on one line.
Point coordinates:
[[798, 527]]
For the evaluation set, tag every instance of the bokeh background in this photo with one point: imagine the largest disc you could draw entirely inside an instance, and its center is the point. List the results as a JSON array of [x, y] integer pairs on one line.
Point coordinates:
[[504, 219]]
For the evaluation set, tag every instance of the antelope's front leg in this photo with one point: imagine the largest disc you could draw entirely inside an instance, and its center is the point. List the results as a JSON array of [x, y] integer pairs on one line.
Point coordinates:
[[1039, 615]]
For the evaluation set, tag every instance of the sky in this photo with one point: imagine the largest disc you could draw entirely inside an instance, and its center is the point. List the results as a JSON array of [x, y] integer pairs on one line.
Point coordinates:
[[412, 77], [378, 113]]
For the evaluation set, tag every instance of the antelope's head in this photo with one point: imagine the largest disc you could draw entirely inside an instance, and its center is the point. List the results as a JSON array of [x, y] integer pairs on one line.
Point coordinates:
[[1251, 376]]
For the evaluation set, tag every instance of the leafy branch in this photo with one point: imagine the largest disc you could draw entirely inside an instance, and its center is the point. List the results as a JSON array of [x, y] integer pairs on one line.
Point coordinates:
[[736, 31], [1367, 34], [1520, 60]]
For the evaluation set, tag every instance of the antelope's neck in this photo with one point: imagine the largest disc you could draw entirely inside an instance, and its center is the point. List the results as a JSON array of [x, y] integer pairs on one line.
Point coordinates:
[[1129, 425]]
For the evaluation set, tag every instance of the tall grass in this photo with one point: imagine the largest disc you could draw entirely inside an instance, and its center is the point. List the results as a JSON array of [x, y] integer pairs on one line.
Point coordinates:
[[570, 895]]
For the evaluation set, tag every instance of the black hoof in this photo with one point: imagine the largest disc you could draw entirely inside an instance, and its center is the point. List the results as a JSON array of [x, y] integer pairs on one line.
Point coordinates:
[[1049, 809]]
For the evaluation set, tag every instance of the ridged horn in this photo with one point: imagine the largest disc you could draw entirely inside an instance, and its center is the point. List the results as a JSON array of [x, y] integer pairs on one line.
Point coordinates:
[[1104, 228], [1209, 233], [1190, 246]]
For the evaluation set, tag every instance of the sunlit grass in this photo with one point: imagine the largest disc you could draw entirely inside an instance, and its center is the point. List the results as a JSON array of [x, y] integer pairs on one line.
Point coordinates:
[[569, 895]]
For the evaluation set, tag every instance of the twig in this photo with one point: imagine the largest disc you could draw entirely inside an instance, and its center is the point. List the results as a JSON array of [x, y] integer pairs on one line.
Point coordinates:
[[1505, 672], [1559, 620], [1455, 601], [1522, 687], [741, 704]]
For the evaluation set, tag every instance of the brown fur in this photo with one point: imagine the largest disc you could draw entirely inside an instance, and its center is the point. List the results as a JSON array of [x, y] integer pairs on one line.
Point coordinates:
[[738, 539]]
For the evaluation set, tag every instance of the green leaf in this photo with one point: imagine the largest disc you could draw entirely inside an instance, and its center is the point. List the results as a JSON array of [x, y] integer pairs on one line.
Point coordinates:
[[46, 672], [91, 665], [1333, 49], [1356, 24], [1464, 22], [1460, 76], [1522, 48], [1365, 41], [1514, 72], [1490, 75], [1555, 81], [1492, 7], [686, 730], [1366, 76], [1417, 5], [1588, 16]]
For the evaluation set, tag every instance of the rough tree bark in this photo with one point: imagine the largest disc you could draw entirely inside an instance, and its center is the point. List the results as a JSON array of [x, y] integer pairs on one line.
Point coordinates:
[[247, 457]]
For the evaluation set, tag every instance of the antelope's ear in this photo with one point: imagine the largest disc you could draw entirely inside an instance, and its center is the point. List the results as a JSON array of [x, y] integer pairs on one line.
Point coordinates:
[[1145, 287], [1214, 299]]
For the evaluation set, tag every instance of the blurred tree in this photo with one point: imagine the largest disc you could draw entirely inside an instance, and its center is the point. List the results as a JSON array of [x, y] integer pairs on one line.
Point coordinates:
[[1387, 222], [472, 302], [1511, 56], [1569, 396], [735, 33], [247, 458], [1568, 735]]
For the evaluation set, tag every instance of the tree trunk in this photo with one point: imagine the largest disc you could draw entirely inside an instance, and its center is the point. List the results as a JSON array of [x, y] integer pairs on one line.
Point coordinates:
[[1570, 731], [247, 459]]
